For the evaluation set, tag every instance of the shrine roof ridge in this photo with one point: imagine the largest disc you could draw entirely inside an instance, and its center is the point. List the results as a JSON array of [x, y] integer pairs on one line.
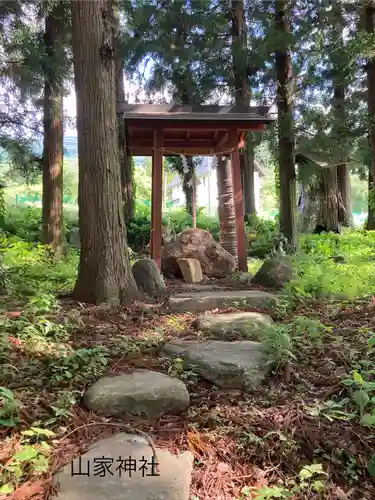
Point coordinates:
[[206, 112]]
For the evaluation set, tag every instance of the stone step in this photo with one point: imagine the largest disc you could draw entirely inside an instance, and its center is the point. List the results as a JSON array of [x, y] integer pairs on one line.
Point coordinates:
[[233, 325], [142, 392], [102, 473], [229, 365], [207, 301]]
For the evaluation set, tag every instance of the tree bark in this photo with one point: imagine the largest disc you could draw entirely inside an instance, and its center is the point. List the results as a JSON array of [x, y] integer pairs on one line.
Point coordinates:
[[242, 98], [287, 175], [344, 187], [369, 24], [329, 206], [343, 176], [52, 205], [248, 170], [189, 188], [104, 271], [227, 218], [125, 158]]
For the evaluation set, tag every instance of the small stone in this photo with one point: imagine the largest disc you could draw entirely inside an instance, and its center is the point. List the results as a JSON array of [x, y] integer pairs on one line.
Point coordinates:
[[274, 273], [143, 392], [191, 270], [229, 365], [148, 277], [172, 483]]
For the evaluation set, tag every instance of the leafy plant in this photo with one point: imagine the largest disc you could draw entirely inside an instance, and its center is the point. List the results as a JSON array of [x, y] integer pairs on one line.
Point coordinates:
[[363, 394], [9, 408], [331, 410], [61, 407], [30, 458], [82, 365], [177, 369], [278, 345]]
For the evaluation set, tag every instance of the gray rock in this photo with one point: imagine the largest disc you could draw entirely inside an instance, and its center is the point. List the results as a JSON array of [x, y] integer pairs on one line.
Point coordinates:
[[230, 365], [274, 273], [207, 301], [74, 238], [173, 482], [142, 392], [148, 277], [233, 325]]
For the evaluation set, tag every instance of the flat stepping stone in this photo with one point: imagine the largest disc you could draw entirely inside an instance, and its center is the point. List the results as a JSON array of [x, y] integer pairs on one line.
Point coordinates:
[[235, 324], [207, 301], [230, 365], [143, 392], [109, 461]]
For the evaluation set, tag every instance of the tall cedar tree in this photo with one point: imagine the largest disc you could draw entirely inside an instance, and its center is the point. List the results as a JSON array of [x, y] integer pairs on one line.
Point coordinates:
[[242, 98], [287, 175], [104, 269], [124, 155], [343, 177], [369, 24], [52, 208]]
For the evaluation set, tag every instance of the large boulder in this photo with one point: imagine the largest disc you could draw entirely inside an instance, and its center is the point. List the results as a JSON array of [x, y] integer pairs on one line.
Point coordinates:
[[229, 365], [120, 467], [198, 244], [274, 273], [143, 392], [148, 277]]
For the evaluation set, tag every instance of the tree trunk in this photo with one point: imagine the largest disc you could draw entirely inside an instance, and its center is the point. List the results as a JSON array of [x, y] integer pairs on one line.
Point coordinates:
[[370, 222], [248, 170], [189, 188], [52, 206], [329, 206], [227, 218], [104, 271], [369, 22], [343, 182], [242, 98], [343, 177], [287, 175], [125, 158]]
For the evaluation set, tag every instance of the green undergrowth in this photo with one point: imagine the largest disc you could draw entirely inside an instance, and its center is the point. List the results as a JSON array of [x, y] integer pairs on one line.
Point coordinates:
[[334, 266], [27, 268]]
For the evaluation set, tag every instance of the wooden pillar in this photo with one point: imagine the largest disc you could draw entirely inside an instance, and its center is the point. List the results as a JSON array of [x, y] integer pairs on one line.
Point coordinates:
[[157, 197], [238, 202]]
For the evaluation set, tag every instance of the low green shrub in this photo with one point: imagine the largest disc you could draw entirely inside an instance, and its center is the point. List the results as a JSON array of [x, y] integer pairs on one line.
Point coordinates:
[[261, 234], [24, 263], [335, 266], [23, 222]]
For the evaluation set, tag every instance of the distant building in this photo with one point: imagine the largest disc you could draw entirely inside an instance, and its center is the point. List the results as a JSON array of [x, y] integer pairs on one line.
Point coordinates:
[[207, 187]]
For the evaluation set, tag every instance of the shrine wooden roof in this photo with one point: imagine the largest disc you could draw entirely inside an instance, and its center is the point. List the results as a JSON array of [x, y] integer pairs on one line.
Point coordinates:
[[191, 130]]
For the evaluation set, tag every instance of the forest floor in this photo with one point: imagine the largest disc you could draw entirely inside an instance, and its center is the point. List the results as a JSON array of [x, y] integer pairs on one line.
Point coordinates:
[[297, 437]]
